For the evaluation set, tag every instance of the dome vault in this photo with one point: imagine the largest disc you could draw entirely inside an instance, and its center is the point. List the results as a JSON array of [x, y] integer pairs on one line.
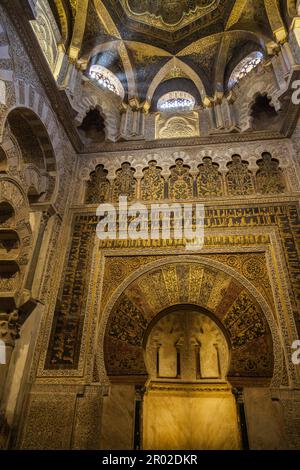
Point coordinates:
[[170, 14], [209, 36]]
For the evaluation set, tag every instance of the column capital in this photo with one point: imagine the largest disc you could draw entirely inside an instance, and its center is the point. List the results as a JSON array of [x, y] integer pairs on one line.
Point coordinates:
[[46, 216], [140, 392], [238, 392], [46, 210]]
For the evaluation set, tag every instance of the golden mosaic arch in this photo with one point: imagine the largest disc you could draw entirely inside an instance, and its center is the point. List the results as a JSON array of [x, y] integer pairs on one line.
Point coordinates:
[[196, 285]]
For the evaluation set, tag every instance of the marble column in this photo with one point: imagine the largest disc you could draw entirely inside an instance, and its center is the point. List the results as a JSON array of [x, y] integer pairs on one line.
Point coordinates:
[[240, 407], [138, 416]]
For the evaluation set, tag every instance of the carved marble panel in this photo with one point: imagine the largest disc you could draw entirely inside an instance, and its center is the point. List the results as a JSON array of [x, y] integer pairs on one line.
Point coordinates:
[[175, 126]]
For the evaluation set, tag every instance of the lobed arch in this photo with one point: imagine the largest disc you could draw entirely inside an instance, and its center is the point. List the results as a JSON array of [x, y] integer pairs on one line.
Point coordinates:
[[193, 160], [111, 345], [15, 225], [258, 89], [108, 107]]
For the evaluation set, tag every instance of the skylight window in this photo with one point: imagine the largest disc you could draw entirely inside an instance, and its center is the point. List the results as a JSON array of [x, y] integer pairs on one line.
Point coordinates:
[[106, 79], [244, 67], [176, 101]]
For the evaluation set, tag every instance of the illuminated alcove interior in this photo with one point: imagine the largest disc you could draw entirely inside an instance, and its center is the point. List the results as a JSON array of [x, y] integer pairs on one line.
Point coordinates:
[[188, 403]]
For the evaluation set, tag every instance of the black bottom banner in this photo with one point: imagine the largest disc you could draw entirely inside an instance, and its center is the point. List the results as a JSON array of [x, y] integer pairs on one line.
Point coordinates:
[[136, 459]]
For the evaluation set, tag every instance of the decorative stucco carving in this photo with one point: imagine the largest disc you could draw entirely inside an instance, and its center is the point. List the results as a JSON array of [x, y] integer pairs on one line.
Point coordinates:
[[125, 183], [239, 178], [269, 176], [209, 180], [98, 188], [152, 184]]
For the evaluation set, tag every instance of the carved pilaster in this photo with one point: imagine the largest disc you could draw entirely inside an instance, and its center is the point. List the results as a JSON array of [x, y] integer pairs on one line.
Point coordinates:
[[223, 114], [46, 215], [133, 120]]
